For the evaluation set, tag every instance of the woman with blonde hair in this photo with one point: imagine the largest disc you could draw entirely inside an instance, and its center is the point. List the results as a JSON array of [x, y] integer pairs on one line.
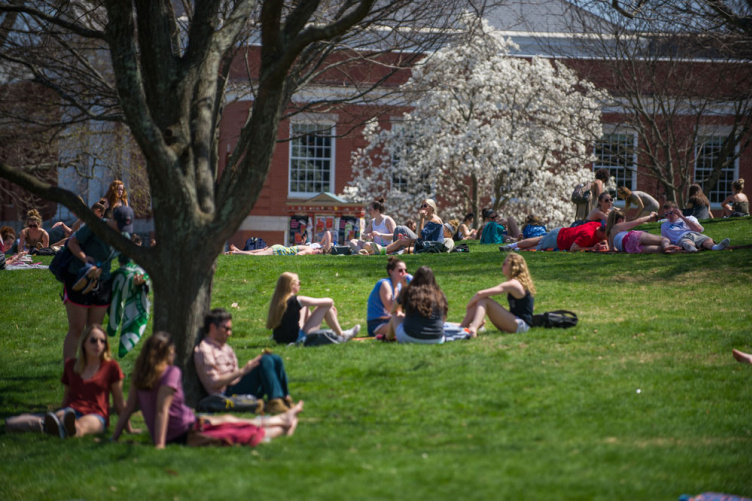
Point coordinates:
[[603, 207], [520, 291], [33, 236], [644, 203], [115, 196], [622, 238], [157, 390], [738, 203], [291, 317], [89, 381]]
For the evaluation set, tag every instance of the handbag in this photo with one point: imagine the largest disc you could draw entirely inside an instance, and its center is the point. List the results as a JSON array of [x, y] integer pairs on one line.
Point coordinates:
[[429, 246], [582, 194], [61, 261], [559, 318], [234, 403]]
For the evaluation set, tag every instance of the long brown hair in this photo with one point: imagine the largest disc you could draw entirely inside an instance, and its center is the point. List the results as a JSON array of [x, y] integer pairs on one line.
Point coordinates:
[[696, 197], [278, 305], [423, 294], [81, 361], [152, 361], [520, 272]]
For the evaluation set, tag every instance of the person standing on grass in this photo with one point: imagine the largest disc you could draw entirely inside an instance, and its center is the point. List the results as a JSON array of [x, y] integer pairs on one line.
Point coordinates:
[[291, 317], [217, 367], [384, 294], [685, 231], [89, 380], [87, 284], [423, 307], [157, 390], [520, 293]]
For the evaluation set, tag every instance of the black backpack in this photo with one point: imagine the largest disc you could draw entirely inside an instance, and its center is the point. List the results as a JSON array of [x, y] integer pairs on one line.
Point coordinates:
[[560, 318], [61, 261], [254, 243]]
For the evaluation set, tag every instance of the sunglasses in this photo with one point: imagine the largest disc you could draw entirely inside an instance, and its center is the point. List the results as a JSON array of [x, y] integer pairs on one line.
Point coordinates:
[[33, 226], [607, 200], [424, 206], [94, 340], [401, 271]]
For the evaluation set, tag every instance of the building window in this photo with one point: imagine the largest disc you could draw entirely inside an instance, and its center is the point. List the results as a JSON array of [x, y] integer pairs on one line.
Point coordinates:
[[707, 158], [311, 159], [616, 152]]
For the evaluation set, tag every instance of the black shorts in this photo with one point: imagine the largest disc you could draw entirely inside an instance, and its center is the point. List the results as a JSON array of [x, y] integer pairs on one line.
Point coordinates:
[[99, 297]]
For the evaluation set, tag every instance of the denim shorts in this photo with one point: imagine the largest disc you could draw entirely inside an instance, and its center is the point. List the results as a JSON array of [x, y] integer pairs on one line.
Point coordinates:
[[79, 415]]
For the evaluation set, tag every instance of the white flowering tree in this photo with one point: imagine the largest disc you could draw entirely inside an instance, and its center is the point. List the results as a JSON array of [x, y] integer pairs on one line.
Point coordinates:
[[485, 127]]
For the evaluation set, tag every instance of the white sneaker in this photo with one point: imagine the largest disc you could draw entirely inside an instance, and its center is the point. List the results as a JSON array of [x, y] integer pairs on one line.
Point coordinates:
[[351, 333], [722, 245]]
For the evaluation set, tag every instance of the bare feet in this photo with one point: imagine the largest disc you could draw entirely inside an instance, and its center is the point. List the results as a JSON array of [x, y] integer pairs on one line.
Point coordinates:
[[290, 418], [671, 249], [742, 357], [472, 331]]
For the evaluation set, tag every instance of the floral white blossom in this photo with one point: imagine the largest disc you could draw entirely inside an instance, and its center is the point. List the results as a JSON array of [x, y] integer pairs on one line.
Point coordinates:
[[485, 127]]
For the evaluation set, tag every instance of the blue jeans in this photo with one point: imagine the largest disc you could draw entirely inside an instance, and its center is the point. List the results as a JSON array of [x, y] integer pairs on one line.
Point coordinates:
[[268, 379]]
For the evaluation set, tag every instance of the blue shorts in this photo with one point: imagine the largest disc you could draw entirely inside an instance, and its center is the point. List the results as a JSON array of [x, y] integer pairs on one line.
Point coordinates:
[[375, 324], [79, 415]]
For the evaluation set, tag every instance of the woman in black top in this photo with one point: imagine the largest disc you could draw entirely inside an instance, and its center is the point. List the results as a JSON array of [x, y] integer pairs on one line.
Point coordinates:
[[520, 291], [291, 317], [424, 308]]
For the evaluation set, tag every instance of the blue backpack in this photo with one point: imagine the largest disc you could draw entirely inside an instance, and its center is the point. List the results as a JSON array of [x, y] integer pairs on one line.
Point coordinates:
[[254, 243]]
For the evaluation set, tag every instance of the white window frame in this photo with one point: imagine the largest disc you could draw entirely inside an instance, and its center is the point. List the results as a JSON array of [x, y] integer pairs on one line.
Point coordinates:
[[720, 134], [620, 132], [321, 123]]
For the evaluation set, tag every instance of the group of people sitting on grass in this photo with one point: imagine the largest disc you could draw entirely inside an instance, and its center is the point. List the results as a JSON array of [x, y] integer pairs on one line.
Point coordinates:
[[407, 308], [92, 377]]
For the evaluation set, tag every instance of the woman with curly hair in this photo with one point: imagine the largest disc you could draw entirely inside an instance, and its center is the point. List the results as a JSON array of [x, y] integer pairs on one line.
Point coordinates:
[[520, 291], [291, 317], [157, 390], [115, 196], [33, 236], [423, 308]]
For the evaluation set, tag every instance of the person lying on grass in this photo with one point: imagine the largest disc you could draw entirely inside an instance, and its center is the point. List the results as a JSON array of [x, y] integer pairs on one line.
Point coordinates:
[[278, 250], [622, 238], [157, 390], [217, 367], [588, 236], [384, 294], [292, 317], [520, 291], [685, 231], [423, 307], [89, 380]]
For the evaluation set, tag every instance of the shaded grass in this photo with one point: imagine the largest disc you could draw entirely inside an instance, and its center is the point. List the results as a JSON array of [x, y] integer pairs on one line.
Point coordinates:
[[549, 414]]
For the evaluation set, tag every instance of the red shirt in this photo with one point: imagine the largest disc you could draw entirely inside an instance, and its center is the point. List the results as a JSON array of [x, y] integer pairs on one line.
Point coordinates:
[[583, 236], [93, 395]]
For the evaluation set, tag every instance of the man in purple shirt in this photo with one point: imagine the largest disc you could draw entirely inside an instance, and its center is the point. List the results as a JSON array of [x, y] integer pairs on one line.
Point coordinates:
[[217, 367]]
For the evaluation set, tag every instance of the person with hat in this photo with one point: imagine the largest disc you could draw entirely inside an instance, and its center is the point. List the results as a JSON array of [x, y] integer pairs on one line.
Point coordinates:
[[87, 285]]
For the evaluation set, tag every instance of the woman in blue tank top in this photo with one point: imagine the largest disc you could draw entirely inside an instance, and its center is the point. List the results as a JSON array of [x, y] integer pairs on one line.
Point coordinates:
[[520, 291], [384, 294]]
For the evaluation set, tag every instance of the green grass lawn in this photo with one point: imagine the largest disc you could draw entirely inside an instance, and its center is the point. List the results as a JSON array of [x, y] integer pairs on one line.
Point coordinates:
[[642, 400]]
